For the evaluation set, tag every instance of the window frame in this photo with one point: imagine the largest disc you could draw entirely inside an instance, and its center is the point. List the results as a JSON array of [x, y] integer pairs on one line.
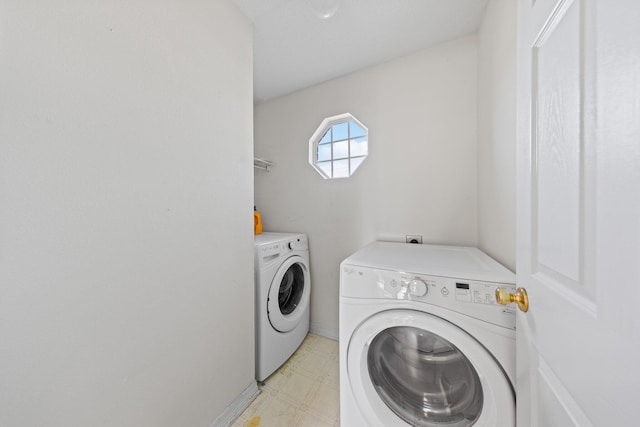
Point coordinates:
[[327, 126]]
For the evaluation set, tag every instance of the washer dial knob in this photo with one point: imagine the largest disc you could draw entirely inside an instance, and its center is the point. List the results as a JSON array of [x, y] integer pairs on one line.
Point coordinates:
[[418, 288]]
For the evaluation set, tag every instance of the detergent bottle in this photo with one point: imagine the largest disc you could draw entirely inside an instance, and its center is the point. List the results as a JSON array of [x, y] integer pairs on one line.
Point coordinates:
[[257, 222]]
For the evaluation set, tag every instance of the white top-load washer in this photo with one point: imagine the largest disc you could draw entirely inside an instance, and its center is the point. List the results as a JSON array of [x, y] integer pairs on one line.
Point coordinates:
[[422, 340], [283, 289]]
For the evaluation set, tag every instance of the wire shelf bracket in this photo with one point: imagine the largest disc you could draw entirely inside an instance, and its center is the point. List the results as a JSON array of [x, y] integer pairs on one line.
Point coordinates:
[[262, 164]]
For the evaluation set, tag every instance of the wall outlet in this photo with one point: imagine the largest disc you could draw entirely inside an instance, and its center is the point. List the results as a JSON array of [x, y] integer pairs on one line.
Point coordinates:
[[414, 239]]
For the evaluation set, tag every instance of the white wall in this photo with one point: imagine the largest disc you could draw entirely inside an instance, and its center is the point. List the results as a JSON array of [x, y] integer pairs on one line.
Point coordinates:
[[497, 132], [419, 178], [126, 190]]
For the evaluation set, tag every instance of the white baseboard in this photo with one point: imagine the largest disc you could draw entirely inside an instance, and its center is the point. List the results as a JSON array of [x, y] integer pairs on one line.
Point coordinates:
[[233, 411], [325, 332]]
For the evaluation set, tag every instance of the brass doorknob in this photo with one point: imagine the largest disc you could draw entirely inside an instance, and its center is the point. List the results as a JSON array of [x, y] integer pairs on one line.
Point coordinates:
[[520, 297]]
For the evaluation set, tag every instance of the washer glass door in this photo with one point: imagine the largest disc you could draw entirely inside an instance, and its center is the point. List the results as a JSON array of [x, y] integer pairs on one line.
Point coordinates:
[[408, 367], [291, 289], [288, 297], [423, 378]]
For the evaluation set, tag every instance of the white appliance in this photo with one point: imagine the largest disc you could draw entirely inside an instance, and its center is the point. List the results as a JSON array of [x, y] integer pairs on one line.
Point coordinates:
[[283, 288], [422, 340]]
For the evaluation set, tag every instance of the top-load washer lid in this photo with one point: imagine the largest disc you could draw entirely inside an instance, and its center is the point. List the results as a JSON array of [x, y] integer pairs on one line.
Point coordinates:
[[461, 262]]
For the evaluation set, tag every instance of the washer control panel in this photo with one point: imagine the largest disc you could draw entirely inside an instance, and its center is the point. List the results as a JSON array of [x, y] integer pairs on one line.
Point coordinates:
[[476, 292], [269, 253], [298, 244], [407, 287], [475, 298]]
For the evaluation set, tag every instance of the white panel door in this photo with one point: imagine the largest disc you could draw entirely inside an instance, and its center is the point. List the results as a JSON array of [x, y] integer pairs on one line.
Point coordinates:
[[578, 207]]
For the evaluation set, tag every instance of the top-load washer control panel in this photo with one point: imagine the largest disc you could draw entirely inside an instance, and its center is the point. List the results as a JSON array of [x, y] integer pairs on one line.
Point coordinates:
[[471, 297]]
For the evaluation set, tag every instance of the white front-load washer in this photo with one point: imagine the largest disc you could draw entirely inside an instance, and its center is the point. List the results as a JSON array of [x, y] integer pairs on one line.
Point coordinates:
[[422, 340], [283, 289]]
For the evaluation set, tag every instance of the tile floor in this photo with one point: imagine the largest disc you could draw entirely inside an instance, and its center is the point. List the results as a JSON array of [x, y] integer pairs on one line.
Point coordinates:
[[304, 392]]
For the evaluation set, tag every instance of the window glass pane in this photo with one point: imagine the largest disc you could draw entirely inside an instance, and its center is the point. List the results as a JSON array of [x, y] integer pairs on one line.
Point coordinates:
[[340, 149], [340, 131], [326, 168], [355, 163], [355, 130], [360, 146], [324, 152], [341, 168], [326, 137]]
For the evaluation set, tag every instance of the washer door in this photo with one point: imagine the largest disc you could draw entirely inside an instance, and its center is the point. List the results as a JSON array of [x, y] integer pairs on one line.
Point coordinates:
[[412, 368], [289, 294]]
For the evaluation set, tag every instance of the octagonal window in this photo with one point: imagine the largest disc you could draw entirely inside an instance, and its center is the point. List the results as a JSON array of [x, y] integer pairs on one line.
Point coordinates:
[[339, 146]]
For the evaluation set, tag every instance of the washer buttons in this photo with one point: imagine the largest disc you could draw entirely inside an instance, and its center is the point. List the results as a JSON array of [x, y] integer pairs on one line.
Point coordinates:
[[445, 291]]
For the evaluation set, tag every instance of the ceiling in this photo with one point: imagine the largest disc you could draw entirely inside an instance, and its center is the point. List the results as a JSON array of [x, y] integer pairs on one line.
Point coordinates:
[[295, 48]]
